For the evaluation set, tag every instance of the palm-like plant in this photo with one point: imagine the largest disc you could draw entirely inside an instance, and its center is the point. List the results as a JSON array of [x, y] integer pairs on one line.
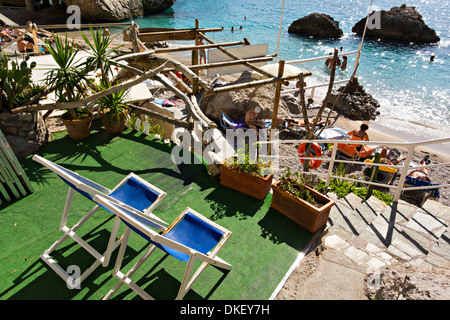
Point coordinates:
[[112, 104], [67, 78], [101, 53]]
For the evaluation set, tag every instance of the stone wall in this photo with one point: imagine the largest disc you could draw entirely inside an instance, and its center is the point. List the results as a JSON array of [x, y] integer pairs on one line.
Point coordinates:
[[25, 132]]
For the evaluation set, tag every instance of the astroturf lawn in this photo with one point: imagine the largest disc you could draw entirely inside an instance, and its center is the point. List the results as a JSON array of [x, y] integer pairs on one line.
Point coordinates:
[[263, 246]]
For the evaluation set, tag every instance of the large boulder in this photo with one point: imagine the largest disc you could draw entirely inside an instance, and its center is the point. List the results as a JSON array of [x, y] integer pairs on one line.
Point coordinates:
[[236, 103], [116, 10], [402, 23], [317, 25], [354, 103]]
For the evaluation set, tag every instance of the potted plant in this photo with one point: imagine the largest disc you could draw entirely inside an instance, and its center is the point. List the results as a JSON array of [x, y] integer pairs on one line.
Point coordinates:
[[113, 110], [302, 204], [253, 178], [69, 83]]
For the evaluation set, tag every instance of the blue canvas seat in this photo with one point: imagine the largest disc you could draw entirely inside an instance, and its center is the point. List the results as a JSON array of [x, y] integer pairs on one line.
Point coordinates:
[[192, 236], [422, 183], [132, 193], [227, 123]]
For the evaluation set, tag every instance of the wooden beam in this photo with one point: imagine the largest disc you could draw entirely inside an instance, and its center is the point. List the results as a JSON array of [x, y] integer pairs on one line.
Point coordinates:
[[253, 84], [154, 114], [206, 46], [251, 66]]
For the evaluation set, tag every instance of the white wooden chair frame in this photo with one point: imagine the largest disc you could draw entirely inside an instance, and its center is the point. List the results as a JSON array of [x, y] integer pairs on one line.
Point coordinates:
[[93, 189], [208, 259]]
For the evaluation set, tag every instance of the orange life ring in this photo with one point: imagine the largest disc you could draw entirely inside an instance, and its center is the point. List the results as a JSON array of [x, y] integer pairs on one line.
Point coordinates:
[[316, 151]]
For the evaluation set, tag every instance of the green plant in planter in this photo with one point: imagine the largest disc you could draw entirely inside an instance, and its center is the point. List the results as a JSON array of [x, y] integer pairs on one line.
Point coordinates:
[[15, 80], [101, 54], [114, 104], [68, 78], [242, 163], [294, 183]]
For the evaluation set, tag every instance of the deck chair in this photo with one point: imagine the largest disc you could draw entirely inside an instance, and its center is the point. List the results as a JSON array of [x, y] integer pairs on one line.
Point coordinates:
[[191, 236], [227, 123], [132, 193]]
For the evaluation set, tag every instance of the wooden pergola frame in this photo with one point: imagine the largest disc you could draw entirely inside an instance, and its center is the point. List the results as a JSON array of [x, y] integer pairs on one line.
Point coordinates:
[[169, 65]]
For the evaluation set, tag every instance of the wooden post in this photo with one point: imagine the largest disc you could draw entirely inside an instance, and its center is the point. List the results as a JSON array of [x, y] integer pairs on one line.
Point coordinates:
[[29, 5], [195, 51], [134, 37], [276, 103]]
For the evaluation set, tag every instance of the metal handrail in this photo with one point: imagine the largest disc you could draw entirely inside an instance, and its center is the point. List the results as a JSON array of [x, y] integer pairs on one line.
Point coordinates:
[[403, 169]]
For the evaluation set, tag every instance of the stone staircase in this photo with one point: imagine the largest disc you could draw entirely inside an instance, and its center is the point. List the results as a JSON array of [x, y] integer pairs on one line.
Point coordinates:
[[373, 234]]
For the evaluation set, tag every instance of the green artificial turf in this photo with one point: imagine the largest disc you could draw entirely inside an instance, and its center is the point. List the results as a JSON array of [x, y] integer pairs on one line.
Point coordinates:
[[263, 246]]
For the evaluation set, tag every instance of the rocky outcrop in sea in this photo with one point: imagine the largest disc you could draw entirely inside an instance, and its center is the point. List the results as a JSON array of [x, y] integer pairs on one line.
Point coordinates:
[[402, 23], [354, 102], [316, 25], [117, 10]]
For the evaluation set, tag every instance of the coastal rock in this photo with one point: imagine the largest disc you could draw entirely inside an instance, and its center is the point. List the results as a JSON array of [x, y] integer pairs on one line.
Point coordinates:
[[26, 132], [116, 10], [236, 103], [354, 103], [409, 283], [317, 25], [399, 23]]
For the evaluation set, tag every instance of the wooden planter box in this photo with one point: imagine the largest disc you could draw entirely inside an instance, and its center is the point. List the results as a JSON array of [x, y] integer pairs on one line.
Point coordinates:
[[254, 186], [300, 211]]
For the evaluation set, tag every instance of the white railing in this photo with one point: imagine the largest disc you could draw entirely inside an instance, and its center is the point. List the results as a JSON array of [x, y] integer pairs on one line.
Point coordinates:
[[402, 169]]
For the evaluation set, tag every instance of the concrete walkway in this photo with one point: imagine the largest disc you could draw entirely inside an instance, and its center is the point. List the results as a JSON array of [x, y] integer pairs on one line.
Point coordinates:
[[362, 237]]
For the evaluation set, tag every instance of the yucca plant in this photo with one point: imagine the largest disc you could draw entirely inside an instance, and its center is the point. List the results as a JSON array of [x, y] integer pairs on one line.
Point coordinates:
[[101, 54], [112, 104], [68, 77]]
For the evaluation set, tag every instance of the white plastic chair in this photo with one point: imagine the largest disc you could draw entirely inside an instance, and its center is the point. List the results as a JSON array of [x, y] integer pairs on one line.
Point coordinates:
[[191, 236], [133, 193]]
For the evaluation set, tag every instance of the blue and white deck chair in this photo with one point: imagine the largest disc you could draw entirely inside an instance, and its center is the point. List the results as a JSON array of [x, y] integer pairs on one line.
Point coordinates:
[[191, 236], [133, 193]]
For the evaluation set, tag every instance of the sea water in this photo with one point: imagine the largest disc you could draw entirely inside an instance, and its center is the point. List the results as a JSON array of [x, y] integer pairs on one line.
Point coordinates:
[[413, 92]]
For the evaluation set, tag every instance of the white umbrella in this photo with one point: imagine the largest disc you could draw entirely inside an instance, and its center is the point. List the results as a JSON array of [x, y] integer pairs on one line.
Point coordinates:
[[272, 68]]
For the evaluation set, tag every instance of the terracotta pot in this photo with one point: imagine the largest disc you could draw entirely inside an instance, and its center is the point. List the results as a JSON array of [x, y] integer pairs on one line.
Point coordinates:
[[78, 129], [112, 125], [300, 211], [257, 187]]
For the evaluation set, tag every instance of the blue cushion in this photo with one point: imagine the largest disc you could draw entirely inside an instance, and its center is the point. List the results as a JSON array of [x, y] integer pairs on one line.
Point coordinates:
[[135, 194], [190, 231]]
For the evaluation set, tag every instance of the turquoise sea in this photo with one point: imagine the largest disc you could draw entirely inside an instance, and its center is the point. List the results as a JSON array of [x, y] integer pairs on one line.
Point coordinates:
[[414, 93]]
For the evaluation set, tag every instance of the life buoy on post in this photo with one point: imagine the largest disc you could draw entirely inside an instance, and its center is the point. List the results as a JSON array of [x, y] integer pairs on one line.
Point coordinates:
[[316, 151]]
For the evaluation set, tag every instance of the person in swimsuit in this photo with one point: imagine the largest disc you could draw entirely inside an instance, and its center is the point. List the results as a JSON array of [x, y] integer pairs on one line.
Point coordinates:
[[421, 173], [360, 134], [202, 53], [251, 118]]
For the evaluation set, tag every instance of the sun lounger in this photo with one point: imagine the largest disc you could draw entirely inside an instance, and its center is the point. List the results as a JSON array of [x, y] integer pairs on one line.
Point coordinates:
[[190, 237], [132, 193]]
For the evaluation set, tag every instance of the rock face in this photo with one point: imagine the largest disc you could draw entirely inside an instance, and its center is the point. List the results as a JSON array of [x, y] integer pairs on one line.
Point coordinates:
[[354, 102], [236, 103], [317, 25], [399, 24], [25, 132], [116, 10], [407, 283]]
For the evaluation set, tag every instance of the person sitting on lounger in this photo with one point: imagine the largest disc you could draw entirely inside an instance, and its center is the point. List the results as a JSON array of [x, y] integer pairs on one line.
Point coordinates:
[[251, 118], [360, 134], [301, 122]]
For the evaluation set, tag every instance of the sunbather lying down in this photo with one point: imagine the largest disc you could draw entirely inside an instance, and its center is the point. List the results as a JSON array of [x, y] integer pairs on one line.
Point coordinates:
[[288, 122], [421, 173]]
